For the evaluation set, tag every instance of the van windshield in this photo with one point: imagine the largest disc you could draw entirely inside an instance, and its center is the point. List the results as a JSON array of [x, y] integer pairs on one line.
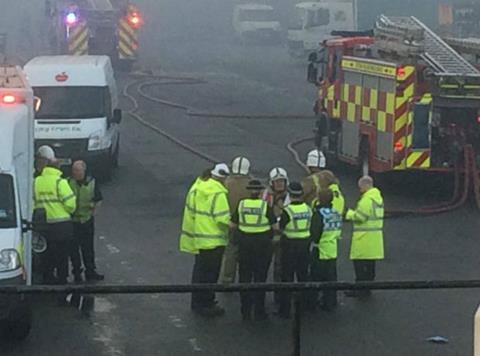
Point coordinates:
[[257, 15], [72, 102], [7, 202]]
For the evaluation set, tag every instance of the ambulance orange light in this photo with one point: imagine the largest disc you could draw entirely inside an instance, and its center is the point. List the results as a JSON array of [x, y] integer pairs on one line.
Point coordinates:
[[9, 99]]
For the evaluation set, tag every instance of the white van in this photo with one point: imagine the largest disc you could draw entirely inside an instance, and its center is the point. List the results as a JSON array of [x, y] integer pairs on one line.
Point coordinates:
[[312, 22], [78, 115], [256, 23], [16, 185]]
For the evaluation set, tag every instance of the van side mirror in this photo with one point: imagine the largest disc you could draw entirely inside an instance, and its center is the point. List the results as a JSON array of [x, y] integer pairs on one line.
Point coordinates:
[[117, 116], [312, 73]]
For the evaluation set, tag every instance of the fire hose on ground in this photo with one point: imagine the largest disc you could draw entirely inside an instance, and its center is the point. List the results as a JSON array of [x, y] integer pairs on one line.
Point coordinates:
[[471, 177]]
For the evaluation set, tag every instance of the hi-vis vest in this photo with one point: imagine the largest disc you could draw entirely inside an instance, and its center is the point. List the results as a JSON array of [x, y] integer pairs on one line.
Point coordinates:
[[332, 231], [252, 215], [53, 193], [85, 204], [300, 220], [338, 202], [367, 239]]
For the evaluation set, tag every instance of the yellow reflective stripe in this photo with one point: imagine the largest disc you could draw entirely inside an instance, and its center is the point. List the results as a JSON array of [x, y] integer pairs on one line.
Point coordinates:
[[48, 201], [209, 236], [68, 197], [367, 229]]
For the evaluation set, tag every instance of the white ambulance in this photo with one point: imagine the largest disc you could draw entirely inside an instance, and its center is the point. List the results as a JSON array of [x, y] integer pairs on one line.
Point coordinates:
[[78, 115], [16, 185]]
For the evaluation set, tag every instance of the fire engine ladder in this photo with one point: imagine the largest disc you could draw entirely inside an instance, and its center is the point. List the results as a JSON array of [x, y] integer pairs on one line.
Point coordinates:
[[442, 58], [465, 45]]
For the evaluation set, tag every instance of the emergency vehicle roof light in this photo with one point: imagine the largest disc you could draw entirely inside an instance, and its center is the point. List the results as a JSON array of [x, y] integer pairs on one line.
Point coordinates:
[[135, 19], [401, 72], [71, 18]]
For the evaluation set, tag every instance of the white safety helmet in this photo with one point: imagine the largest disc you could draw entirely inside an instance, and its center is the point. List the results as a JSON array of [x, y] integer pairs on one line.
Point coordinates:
[[278, 173], [46, 152], [220, 170], [316, 158], [241, 165]]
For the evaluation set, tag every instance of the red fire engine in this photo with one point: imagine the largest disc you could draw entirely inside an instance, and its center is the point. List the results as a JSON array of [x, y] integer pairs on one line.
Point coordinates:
[[108, 27], [398, 99]]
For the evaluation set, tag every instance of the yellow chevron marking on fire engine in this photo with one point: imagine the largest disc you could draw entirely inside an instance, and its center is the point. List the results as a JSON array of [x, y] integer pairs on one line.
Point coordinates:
[[78, 40]]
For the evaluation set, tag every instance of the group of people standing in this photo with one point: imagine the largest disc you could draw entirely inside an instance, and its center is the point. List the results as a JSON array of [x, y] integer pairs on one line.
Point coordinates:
[[68, 208], [233, 220]]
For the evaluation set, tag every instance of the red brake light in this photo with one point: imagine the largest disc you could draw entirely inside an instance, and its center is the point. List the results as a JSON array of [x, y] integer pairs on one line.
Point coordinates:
[[9, 99], [401, 72], [135, 19], [478, 119], [398, 147]]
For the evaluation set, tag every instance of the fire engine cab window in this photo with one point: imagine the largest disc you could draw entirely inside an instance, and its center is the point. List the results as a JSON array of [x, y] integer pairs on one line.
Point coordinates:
[[421, 129], [73, 102], [7, 203]]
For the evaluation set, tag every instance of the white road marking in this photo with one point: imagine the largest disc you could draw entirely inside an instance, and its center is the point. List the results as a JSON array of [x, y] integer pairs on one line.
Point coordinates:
[[176, 321], [101, 237], [112, 249], [107, 332], [193, 343]]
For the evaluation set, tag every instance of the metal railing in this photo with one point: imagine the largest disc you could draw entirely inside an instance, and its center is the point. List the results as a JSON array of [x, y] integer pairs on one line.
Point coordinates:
[[297, 288]]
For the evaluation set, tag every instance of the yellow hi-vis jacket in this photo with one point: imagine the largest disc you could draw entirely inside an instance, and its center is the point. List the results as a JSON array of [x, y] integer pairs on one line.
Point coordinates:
[[211, 215], [187, 242], [338, 202], [53, 193], [367, 239]]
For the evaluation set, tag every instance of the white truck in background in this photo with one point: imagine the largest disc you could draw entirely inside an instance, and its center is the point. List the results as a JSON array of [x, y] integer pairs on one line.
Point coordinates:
[[79, 116], [256, 23], [312, 22], [16, 189]]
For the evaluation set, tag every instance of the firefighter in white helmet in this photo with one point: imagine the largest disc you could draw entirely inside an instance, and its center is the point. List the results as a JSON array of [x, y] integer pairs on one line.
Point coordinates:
[[236, 184], [313, 183], [277, 197]]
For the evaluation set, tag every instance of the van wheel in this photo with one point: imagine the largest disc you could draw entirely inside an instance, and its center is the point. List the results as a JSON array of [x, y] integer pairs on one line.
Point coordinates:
[[18, 327]]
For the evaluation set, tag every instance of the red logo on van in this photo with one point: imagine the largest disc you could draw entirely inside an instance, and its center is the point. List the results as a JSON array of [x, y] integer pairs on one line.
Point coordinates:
[[62, 77]]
